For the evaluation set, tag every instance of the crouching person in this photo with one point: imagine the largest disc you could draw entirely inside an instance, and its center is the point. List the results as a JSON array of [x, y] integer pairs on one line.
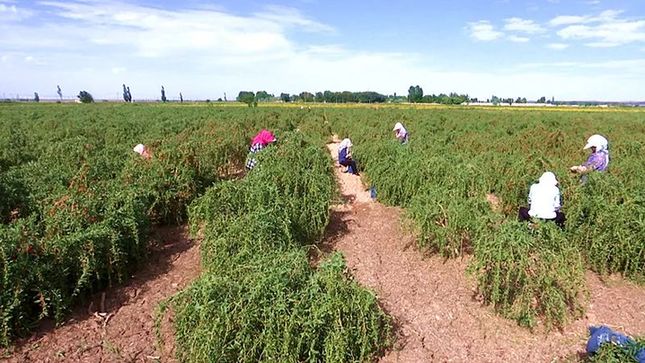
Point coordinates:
[[544, 201], [263, 139], [598, 159], [142, 150], [345, 156]]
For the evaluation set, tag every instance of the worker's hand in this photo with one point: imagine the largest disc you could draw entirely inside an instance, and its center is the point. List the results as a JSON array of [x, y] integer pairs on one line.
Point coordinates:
[[575, 169]]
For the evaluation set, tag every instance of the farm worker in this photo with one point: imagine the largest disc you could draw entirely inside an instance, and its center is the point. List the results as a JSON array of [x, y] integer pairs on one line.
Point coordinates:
[[259, 142], [345, 156], [599, 158], [544, 201], [142, 150], [401, 133]]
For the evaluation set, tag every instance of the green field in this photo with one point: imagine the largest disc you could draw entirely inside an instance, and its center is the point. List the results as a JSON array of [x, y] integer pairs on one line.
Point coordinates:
[[77, 206]]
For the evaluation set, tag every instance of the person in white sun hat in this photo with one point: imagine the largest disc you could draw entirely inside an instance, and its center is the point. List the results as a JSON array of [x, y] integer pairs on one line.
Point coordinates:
[[599, 158], [544, 201], [142, 150], [401, 133]]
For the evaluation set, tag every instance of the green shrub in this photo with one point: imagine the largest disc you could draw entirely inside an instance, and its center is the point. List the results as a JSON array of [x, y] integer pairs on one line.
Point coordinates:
[[260, 300], [528, 275], [611, 353]]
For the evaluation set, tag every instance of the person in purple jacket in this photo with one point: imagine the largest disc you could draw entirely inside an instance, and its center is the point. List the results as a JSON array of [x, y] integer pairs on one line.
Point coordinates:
[[599, 158]]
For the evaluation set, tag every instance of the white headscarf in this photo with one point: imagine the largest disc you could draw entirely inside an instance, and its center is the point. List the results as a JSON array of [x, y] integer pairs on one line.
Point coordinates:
[[344, 144], [399, 126], [599, 141], [548, 178], [139, 149]]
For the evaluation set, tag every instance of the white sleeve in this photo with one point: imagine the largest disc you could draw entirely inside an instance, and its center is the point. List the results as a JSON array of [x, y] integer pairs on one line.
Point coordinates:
[[531, 191]]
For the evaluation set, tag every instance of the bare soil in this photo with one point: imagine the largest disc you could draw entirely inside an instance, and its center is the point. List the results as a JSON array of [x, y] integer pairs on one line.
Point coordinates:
[[118, 324], [434, 303]]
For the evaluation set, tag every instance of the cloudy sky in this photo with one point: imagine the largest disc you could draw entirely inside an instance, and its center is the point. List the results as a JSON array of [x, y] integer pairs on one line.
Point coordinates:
[[568, 49]]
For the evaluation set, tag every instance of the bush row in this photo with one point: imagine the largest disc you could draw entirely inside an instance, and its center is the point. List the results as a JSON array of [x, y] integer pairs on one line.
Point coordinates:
[[77, 203], [458, 156], [259, 298]]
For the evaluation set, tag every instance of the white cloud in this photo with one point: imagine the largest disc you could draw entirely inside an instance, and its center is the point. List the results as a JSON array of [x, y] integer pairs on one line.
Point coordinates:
[[293, 17], [557, 46], [516, 39], [634, 66], [36, 61], [483, 30], [523, 26], [567, 19], [98, 46], [12, 13], [605, 16], [118, 70], [607, 29], [153, 32]]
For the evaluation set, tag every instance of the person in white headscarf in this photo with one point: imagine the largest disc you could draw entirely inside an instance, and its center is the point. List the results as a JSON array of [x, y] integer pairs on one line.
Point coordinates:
[[401, 133], [544, 201], [345, 156], [599, 158], [142, 150]]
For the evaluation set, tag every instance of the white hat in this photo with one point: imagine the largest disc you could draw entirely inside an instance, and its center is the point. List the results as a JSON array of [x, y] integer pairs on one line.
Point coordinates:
[[398, 126], [548, 178], [139, 149], [598, 141]]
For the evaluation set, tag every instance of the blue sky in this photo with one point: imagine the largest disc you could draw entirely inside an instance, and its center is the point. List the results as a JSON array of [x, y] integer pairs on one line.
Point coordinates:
[[568, 49]]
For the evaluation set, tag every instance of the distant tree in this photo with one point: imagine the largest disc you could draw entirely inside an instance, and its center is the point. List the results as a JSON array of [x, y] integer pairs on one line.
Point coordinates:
[[85, 97], [126, 94], [328, 96], [129, 94], [181, 98], [263, 96], [60, 93], [415, 94], [36, 97], [495, 100], [541, 100], [369, 97], [307, 96], [247, 97], [285, 97], [163, 94]]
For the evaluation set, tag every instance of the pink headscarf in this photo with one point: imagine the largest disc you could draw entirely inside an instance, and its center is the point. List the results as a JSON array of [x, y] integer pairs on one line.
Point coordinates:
[[264, 137]]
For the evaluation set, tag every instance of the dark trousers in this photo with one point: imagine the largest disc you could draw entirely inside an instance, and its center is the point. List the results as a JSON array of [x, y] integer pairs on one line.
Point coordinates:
[[559, 219], [350, 164]]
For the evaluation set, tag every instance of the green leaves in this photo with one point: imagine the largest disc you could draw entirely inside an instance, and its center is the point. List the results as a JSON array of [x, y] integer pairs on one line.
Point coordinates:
[[260, 300], [458, 156]]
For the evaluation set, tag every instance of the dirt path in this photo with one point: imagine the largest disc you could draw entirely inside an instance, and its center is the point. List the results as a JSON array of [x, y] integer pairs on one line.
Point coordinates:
[[124, 329], [433, 302]]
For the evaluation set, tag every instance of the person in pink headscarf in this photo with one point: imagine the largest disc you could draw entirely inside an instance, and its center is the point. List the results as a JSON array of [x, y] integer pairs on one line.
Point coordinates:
[[259, 142]]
